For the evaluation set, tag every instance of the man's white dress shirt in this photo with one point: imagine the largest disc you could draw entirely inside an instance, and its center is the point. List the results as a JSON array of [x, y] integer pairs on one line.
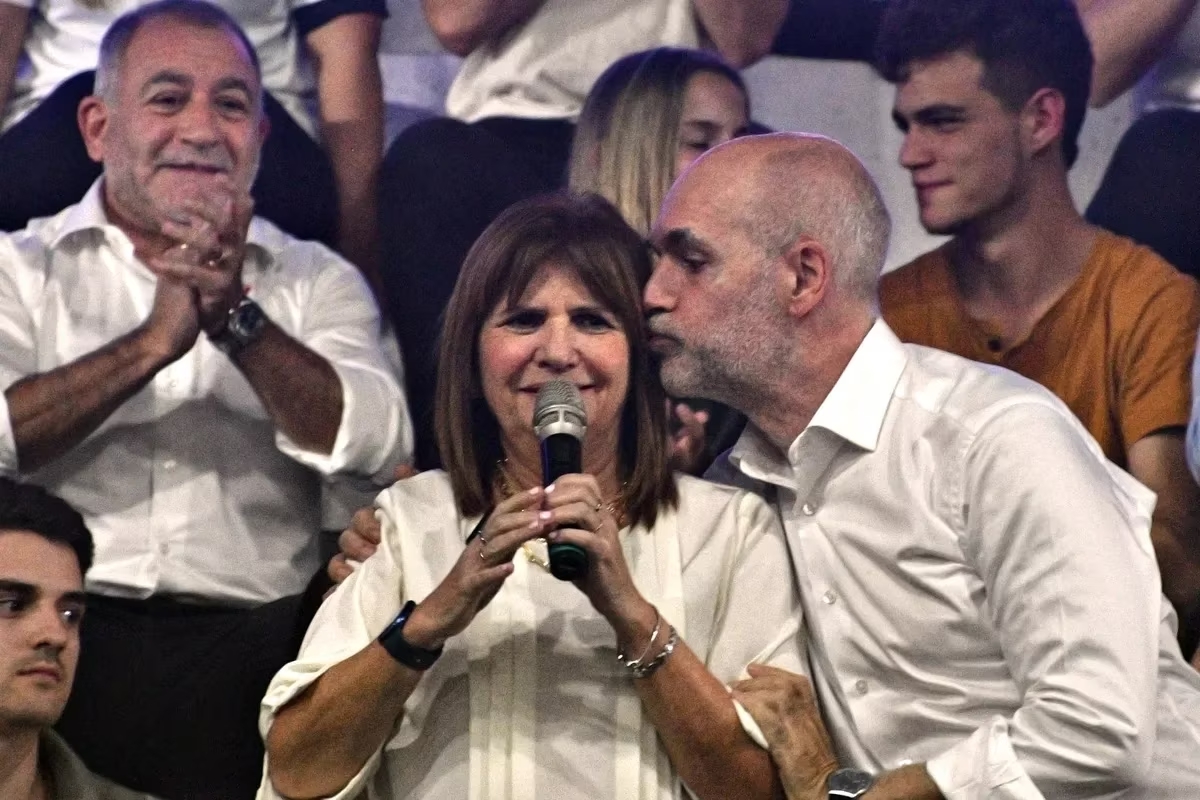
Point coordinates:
[[979, 586], [188, 487]]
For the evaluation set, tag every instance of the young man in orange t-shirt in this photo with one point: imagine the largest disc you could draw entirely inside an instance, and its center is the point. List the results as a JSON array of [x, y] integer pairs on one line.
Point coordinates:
[[990, 129]]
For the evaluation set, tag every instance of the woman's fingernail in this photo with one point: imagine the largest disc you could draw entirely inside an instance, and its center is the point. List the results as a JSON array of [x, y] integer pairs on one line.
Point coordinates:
[[535, 491], [550, 488], [552, 536], [545, 516]]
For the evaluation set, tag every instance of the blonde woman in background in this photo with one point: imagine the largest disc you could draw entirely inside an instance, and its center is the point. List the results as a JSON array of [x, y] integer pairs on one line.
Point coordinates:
[[648, 117]]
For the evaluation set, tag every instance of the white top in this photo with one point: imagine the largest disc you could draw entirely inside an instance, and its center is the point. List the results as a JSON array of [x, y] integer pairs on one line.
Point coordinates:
[[63, 39], [1174, 82], [979, 586], [187, 487], [545, 68], [529, 701]]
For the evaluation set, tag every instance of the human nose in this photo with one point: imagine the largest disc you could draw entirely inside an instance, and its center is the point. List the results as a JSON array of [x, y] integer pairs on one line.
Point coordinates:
[[47, 629], [198, 125], [557, 348], [658, 296], [913, 151]]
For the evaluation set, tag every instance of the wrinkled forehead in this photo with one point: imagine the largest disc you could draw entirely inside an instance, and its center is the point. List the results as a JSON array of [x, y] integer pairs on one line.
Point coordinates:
[[188, 51]]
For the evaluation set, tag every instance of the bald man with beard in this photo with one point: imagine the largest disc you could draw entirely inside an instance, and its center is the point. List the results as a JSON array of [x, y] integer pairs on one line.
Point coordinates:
[[983, 607]]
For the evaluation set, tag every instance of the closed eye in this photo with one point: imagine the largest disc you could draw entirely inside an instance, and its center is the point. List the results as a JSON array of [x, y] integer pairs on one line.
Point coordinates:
[[524, 320], [167, 101], [592, 320]]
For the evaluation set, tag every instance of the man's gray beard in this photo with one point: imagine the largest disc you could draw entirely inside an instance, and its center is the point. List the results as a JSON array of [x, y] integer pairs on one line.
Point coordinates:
[[705, 378]]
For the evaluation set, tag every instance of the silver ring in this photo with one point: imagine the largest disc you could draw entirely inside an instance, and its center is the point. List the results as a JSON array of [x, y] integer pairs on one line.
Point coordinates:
[[482, 545], [599, 506]]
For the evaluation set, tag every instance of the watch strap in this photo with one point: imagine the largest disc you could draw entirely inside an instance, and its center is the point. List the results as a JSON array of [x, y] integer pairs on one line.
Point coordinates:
[[393, 641]]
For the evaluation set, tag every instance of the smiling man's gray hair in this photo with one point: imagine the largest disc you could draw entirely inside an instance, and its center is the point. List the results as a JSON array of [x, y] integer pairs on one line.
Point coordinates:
[[193, 12]]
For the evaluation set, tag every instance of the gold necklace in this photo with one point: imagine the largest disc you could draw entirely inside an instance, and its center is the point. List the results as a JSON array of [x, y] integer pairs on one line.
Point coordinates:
[[534, 550]]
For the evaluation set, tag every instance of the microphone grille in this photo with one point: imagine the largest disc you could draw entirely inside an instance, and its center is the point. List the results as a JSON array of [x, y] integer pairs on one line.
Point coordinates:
[[559, 409]]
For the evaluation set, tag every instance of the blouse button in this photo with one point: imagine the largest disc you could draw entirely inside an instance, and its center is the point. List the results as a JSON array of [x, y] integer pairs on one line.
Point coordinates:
[[860, 686], [829, 598], [808, 509]]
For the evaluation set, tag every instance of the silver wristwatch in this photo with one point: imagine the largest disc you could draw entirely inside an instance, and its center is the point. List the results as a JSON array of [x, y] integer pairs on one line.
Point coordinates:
[[849, 783], [243, 326]]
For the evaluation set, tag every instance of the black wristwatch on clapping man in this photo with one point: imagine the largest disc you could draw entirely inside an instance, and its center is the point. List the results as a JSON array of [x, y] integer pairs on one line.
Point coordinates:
[[243, 327], [393, 641]]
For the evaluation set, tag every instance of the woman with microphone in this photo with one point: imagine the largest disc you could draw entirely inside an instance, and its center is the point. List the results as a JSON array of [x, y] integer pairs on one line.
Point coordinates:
[[452, 663]]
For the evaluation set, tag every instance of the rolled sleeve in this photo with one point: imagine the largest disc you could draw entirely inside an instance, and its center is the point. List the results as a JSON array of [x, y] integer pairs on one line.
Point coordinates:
[[375, 432], [8, 442], [1061, 540], [347, 622], [17, 348]]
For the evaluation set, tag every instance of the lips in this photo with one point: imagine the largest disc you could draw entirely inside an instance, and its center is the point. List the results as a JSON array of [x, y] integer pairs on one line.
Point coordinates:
[[663, 343], [926, 188], [195, 168], [44, 672]]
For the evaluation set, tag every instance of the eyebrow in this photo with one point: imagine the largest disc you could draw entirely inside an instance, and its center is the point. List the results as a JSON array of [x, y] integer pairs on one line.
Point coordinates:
[[28, 591], [170, 76], [176, 78], [680, 240], [237, 84], [19, 588]]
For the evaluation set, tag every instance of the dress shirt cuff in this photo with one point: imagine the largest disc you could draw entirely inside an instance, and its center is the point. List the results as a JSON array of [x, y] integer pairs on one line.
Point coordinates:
[[375, 433], [984, 766], [8, 441]]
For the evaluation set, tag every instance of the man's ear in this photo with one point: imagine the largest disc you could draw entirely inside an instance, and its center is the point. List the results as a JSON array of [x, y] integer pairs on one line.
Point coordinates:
[[264, 128], [809, 274], [1043, 119], [93, 122]]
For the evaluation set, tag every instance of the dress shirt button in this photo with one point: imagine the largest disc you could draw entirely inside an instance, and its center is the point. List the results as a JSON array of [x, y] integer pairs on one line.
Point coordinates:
[[860, 686], [164, 548], [829, 598], [808, 509], [170, 463]]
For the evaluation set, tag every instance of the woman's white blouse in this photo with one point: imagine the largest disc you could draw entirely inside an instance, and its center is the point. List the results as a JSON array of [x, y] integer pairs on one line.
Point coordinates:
[[530, 701]]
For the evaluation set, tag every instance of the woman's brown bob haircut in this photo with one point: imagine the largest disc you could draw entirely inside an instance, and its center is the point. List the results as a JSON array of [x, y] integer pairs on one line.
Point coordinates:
[[586, 236]]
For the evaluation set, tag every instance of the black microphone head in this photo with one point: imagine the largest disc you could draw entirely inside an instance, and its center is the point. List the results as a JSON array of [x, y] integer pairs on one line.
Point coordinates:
[[559, 409]]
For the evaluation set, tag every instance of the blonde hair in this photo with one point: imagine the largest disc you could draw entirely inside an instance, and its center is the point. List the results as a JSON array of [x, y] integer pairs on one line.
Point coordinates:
[[627, 136]]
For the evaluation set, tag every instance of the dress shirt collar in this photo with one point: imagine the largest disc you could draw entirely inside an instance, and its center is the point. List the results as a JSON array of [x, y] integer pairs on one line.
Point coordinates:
[[853, 411], [89, 215]]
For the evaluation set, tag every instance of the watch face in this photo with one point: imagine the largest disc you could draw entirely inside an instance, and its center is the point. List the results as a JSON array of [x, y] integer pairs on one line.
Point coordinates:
[[247, 320], [850, 783]]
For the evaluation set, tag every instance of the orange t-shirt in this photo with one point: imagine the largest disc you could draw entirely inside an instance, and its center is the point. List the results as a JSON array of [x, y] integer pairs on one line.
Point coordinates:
[[1116, 348]]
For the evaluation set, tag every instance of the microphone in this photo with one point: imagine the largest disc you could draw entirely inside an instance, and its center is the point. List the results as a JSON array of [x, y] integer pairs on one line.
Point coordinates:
[[560, 421]]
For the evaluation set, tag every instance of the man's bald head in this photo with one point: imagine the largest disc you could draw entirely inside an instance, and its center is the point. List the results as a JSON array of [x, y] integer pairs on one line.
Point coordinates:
[[783, 186]]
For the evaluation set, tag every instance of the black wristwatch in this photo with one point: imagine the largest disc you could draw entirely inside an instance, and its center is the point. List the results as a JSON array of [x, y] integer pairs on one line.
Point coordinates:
[[849, 783], [244, 325], [392, 639]]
